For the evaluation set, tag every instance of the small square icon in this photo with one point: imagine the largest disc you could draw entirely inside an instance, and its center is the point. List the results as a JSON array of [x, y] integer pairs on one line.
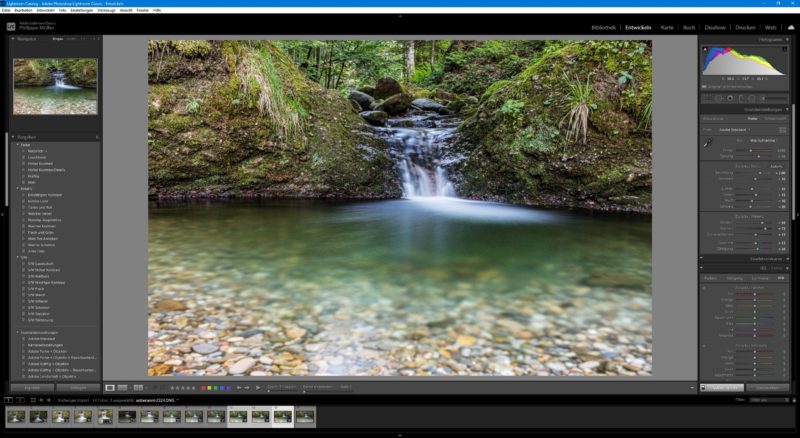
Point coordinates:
[[110, 388], [11, 26]]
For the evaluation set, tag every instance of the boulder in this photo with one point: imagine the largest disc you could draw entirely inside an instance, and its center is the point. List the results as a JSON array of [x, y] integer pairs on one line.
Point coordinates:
[[456, 106], [427, 104], [443, 95], [375, 118], [356, 106], [395, 104], [363, 99], [367, 89], [386, 87], [376, 104]]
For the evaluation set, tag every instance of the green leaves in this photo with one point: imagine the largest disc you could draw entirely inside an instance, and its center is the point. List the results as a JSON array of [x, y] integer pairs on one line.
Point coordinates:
[[624, 78], [512, 107]]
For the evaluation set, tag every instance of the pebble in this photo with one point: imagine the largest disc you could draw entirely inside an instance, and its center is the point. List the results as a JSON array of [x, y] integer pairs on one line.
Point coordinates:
[[205, 348], [550, 326], [251, 332], [295, 333], [169, 305], [241, 366], [589, 365], [466, 340]]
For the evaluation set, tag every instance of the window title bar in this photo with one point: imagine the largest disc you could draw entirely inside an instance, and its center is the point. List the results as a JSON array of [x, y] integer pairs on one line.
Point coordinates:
[[561, 4]]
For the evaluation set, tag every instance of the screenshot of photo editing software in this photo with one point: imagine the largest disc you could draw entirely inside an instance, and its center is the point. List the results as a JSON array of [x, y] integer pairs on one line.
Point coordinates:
[[398, 223]]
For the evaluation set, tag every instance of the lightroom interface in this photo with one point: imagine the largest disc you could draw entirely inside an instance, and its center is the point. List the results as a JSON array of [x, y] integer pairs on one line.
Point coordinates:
[[397, 223]]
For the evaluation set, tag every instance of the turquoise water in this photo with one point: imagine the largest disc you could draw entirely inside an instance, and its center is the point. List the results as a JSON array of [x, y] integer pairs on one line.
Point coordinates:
[[400, 287], [54, 100]]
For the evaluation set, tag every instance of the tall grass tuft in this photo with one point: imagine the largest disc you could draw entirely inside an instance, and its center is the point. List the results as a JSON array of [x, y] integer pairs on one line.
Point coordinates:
[[257, 74], [580, 107]]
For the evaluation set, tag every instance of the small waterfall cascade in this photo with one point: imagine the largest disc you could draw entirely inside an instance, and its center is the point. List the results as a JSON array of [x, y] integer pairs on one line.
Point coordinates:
[[58, 79], [421, 143]]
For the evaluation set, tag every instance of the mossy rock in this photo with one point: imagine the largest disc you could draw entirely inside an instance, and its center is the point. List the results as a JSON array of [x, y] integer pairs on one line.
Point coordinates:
[[518, 142], [367, 89], [212, 131]]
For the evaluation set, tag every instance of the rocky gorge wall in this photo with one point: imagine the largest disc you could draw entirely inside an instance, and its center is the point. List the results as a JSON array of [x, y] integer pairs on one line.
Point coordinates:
[[523, 146], [236, 118]]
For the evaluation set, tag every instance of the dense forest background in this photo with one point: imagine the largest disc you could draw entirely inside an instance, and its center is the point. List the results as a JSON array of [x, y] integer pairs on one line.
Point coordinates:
[[556, 123], [80, 72]]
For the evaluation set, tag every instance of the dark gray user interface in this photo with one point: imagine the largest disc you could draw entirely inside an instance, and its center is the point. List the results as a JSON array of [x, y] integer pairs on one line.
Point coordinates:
[[746, 204]]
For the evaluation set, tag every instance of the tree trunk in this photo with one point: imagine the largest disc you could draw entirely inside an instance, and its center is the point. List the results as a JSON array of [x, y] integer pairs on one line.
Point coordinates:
[[409, 60], [329, 66], [433, 55], [339, 76], [319, 53]]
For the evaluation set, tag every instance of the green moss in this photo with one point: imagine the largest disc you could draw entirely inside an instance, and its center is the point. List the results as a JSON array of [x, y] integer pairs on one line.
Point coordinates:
[[520, 129], [192, 48], [262, 128]]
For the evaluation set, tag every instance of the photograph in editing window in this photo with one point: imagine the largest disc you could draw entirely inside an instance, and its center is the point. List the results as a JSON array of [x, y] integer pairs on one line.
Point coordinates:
[[400, 208], [55, 86]]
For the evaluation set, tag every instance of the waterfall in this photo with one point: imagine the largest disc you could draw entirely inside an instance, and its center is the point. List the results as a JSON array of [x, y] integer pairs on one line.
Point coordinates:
[[420, 160], [59, 76]]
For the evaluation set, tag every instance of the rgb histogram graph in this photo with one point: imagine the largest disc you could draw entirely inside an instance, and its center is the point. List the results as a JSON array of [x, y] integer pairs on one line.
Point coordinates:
[[728, 61]]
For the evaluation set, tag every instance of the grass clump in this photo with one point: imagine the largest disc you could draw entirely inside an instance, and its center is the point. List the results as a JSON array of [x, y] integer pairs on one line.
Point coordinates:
[[579, 100], [259, 79]]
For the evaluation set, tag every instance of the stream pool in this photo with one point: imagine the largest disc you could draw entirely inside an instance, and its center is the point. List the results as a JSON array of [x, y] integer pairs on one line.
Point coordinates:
[[55, 100], [430, 286]]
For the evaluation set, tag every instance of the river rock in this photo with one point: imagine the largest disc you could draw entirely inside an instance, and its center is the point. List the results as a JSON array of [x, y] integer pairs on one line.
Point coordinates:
[[395, 105], [427, 104], [590, 365], [367, 89], [205, 348], [375, 118], [386, 87], [457, 105], [169, 305], [242, 366], [363, 99], [466, 340], [295, 333], [443, 95]]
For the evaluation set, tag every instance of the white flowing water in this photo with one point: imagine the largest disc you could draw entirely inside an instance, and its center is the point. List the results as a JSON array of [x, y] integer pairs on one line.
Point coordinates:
[[421, 161], [59, 77]]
